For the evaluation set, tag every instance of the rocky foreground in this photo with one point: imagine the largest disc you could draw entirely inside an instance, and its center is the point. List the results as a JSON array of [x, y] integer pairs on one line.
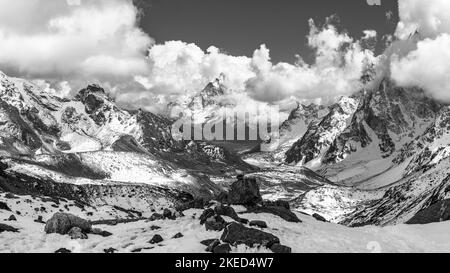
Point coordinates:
[[239, 221]]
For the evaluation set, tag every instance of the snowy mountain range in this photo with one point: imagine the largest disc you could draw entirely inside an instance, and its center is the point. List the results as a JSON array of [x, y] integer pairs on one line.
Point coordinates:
[[378, 157]]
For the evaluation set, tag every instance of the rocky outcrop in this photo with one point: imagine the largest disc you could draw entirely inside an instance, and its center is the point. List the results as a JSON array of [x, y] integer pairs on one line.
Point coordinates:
[[62, 223], [282, 212], [244, 192], [7, 228], [236, 234], [438, 212]]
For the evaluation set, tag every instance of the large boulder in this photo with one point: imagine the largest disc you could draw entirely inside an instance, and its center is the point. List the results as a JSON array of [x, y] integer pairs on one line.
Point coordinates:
[[62, 223], [236, 234], [245, 191]]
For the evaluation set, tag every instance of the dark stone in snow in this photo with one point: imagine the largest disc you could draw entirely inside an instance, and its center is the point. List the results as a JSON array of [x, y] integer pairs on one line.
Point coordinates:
[[243, 221], [260, 224], [236, 234], [207, 242], [156, 216], [63, 251], [277, 248], [62, 223], [155, 227], [278, 203], [279, 211], [205, 215], [103, 233], [76, 233], [223, 248], [4, 206], [39, 220], [167, 213], [7, 228], [178, 235], [319, 217], [156, 239], [244, 192], [212, 245], [110, 250], [226, 211], [12, 218], [215, 223]]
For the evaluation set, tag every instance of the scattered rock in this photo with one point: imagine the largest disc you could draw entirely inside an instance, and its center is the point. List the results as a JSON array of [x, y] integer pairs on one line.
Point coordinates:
[[279, 211], [319, 217], [212, 245], [156, 239], [12, 218], [156, 216], [167, 213], [137, 250], [205, 215], [63, 251], [103, 233], [76, 233], [110, 250], [207, 242], [62, 223], [154, 228], [277, 248], [243, 221], [9, 195], [215, 223], [223, 248], [260, 224], [236, 233], [278, 203], [4, 206], [178, 235], [245, 191], [39, 220], [7, 228], [226, 211]]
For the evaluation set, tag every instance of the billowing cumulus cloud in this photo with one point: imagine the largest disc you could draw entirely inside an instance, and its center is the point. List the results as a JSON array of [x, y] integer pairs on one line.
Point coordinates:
[[337, 70], [426, 61], [55, 39]]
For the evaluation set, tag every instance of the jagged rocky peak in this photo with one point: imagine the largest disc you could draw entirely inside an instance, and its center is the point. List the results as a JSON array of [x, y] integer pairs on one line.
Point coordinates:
[[319, 136], [387, 116]]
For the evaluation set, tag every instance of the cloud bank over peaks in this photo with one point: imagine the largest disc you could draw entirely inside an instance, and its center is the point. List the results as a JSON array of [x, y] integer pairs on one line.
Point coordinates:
[[426, 63], [337, 70]]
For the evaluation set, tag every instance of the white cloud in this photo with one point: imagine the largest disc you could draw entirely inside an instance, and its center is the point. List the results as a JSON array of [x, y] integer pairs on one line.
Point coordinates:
[[430, 18], [427, 67], [70, 46], [340, 62], [50, 39], [424, 60]]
